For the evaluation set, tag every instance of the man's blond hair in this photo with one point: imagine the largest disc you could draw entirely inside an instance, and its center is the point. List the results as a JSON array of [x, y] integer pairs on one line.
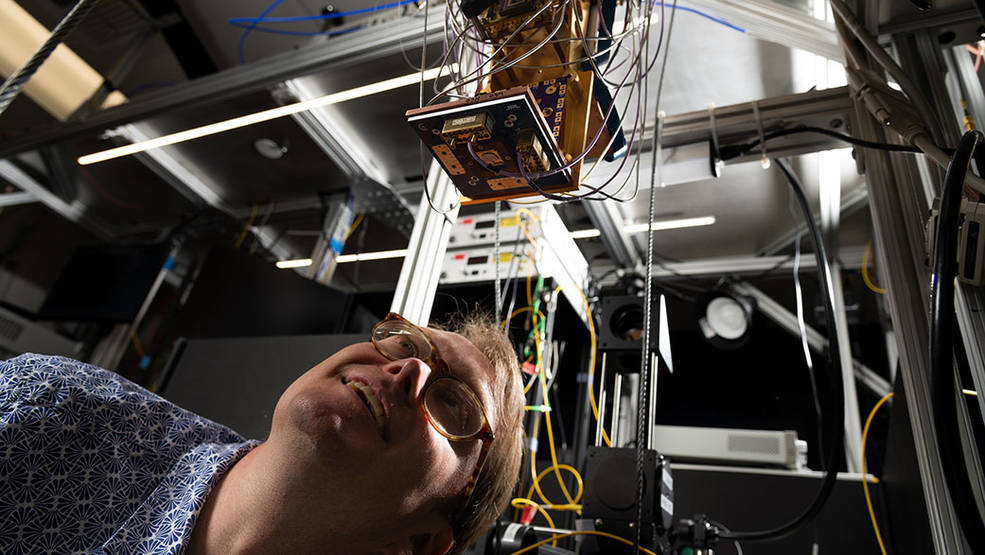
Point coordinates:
[[497, 480]]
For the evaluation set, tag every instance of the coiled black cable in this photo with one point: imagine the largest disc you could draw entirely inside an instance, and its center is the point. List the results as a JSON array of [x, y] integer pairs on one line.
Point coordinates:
[[15, 83], [942, 345], [837, 409]]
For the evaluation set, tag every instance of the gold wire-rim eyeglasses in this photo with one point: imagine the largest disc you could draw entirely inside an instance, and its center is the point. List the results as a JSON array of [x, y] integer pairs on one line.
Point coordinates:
[[420, 346]]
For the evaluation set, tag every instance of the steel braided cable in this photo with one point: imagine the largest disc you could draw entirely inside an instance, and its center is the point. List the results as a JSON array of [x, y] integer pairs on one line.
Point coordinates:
[[12, 87], [646, 369]]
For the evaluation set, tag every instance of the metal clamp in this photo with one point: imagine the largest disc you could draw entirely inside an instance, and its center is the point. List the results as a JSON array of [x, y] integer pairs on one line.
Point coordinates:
[[714, 128], [764, 159]]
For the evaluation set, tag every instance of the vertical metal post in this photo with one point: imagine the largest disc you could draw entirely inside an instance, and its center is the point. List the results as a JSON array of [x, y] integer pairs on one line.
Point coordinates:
[[418, 279], [601, 419], [899, 204], [829, 178], [616, 413], [852, 419], [601, 422]]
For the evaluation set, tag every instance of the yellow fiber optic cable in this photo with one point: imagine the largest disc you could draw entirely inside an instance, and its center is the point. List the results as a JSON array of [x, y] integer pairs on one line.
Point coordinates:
[[865, 482], [520, 502], [865, 271], [591, 366], [547, 417], [577, 476], [246, 228], [355, 224], [580, 533]]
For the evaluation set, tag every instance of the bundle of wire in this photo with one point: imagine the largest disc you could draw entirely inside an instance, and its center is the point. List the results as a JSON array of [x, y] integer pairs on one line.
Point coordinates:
[[622, 66]]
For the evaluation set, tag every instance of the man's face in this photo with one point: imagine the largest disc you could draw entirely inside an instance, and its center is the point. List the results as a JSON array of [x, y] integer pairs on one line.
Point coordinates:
[[355, 426]]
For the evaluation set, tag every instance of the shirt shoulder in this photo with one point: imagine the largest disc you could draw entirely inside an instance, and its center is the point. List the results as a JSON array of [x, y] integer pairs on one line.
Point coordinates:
[[81, 448], [53, 381]]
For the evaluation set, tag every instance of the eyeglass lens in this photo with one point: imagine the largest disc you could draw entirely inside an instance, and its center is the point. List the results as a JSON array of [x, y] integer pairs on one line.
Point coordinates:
[[453, 407], [398, 340]]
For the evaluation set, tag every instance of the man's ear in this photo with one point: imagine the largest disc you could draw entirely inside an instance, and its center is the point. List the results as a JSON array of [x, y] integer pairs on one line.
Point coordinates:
[[437, 543]]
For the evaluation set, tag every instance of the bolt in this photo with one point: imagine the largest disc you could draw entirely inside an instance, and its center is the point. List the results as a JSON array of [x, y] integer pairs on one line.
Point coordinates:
[[598, 522], [835, 123]]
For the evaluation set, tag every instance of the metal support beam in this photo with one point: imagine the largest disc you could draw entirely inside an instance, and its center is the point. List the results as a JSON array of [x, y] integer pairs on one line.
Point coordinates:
[[190, 183], [853, 422], [829, 178], [607, 218], [15, 198], [370, 186], [560, 258], [898, 202], [928, 20], [685, 137], [341, 52], [829, 108], [740, 265], [779, 23], [74, 211], [788, 321], [418, 281]]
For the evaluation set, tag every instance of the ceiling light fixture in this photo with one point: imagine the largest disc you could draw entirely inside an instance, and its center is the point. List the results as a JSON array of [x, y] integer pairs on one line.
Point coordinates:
[[378, 255], [259, 117], [657, 226], [585, 233], [670, 224], [296, 263], [727, 319]]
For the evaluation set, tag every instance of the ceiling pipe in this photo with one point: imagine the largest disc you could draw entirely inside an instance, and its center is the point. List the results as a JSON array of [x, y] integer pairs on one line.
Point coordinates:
[[65, 81]]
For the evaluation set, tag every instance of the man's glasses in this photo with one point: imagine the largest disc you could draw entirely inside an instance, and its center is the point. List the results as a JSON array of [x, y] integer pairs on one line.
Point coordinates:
[[451, 407]]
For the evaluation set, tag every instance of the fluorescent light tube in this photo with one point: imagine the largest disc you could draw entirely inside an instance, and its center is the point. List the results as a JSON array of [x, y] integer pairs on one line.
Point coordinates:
[[670, 224], [296, 263], [585, 233], [258, 117], [378, 255]]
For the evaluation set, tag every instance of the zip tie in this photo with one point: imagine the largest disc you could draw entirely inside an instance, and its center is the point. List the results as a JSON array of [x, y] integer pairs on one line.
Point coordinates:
[[764, 159]]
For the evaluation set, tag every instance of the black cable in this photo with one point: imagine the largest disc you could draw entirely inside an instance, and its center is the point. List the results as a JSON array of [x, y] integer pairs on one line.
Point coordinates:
[[15, 83], [942, 345], [734, 151], [837, 409], [771, 269]]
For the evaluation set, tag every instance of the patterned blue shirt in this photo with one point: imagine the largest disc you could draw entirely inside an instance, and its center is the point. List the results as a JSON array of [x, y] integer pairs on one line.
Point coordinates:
[[92, 463]]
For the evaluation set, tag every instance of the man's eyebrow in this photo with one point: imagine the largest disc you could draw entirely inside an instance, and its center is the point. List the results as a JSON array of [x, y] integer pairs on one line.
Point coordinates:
[[475, 379]]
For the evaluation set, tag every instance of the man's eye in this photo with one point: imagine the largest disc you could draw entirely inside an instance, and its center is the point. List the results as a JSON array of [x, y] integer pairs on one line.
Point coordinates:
[[407, 347]]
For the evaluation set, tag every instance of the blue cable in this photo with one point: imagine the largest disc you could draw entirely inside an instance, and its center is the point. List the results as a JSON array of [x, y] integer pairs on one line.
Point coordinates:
[[718, 20], [242, 37], [301, 33], [333, 15]]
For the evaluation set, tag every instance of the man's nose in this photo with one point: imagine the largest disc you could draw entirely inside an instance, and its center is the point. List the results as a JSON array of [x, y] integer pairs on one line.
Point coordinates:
[[410, 375]]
